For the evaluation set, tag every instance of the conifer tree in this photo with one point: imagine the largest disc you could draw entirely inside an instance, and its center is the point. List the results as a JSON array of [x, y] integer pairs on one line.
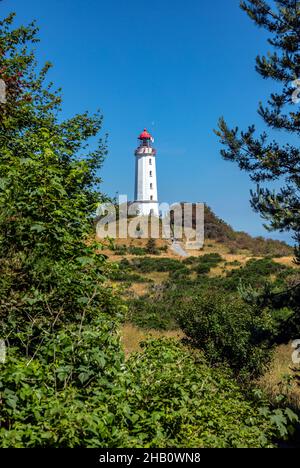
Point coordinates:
[[263, 158]]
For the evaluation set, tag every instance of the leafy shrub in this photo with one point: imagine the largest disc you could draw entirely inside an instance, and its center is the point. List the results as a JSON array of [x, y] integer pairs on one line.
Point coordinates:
[[148, 264], [228, 330], [263, 267], [213, 259], [120, 250], [147, 313], [166, 396], [139, 251], [182, 402], [179, 274], [190, 260], [124, 264], [47, 400], [205, 263], [202, 268], [254, 273], [234, 263], [151, 247], [125, 276]]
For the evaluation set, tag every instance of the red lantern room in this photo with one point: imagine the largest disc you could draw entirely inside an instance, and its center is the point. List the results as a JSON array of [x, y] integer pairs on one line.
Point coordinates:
[[145, 135], [146, 140]]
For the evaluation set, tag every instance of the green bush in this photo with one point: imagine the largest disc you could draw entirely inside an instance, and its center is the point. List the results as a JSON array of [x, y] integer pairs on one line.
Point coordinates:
[[139, 251], [180, 274], [234, 263], [254, 273], [151, 247], [120, 250], [58, 316], [182, 402], [146, 312], [149, 264], [190, 260], [166, 396], [202, 265], [228, 330], [212, 258], [202, 269], [125, 276]]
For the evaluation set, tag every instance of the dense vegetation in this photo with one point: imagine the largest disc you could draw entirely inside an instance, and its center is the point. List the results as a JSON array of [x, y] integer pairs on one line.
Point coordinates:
[[193, 405], [215, 310], [58, 319], [166, 397], [65, 382]]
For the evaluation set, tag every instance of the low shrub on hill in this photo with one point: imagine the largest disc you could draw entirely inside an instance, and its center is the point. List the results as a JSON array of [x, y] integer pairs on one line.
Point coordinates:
[[120, 250], [139, 251], [125, 276], [151, 247], [180, 274], [145, 312], [177, 400], [149, 264], [255, 273], [203, 264], [212, 259], [166, 396], [202, 269], [228, 330]]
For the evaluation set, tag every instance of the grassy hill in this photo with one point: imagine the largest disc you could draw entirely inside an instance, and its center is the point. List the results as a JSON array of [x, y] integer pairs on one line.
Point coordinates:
[[219, 236], [218, 230], [156, 285]]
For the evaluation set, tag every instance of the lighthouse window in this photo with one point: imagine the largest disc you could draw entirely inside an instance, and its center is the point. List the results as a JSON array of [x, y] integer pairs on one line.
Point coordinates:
[[151, 186], [150, 162], [150, 173], [151, 198]]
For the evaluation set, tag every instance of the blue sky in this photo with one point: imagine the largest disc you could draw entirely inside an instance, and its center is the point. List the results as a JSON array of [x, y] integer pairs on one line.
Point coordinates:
[[173, 67]]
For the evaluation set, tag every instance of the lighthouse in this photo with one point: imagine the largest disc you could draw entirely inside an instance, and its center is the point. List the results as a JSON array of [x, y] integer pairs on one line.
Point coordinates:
[[146, 199]]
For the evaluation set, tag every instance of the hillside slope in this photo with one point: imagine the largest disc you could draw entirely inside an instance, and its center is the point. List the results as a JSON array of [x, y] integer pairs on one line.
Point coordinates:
[[219, 235], [218, 230]]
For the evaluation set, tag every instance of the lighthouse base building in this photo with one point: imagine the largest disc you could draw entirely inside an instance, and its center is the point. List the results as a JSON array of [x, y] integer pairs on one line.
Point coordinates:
[[145, 196]]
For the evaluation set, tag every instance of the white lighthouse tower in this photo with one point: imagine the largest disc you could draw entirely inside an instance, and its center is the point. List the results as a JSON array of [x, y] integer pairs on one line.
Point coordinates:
[[145, 196]]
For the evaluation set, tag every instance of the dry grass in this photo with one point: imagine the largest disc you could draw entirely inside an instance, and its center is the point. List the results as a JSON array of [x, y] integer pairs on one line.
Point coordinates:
[[157, 276], [131, 337], [139, 289], [286, 261], [275, 381]]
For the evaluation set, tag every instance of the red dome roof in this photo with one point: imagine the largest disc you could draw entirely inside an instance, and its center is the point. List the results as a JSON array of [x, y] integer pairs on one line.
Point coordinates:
[[145, 135]]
